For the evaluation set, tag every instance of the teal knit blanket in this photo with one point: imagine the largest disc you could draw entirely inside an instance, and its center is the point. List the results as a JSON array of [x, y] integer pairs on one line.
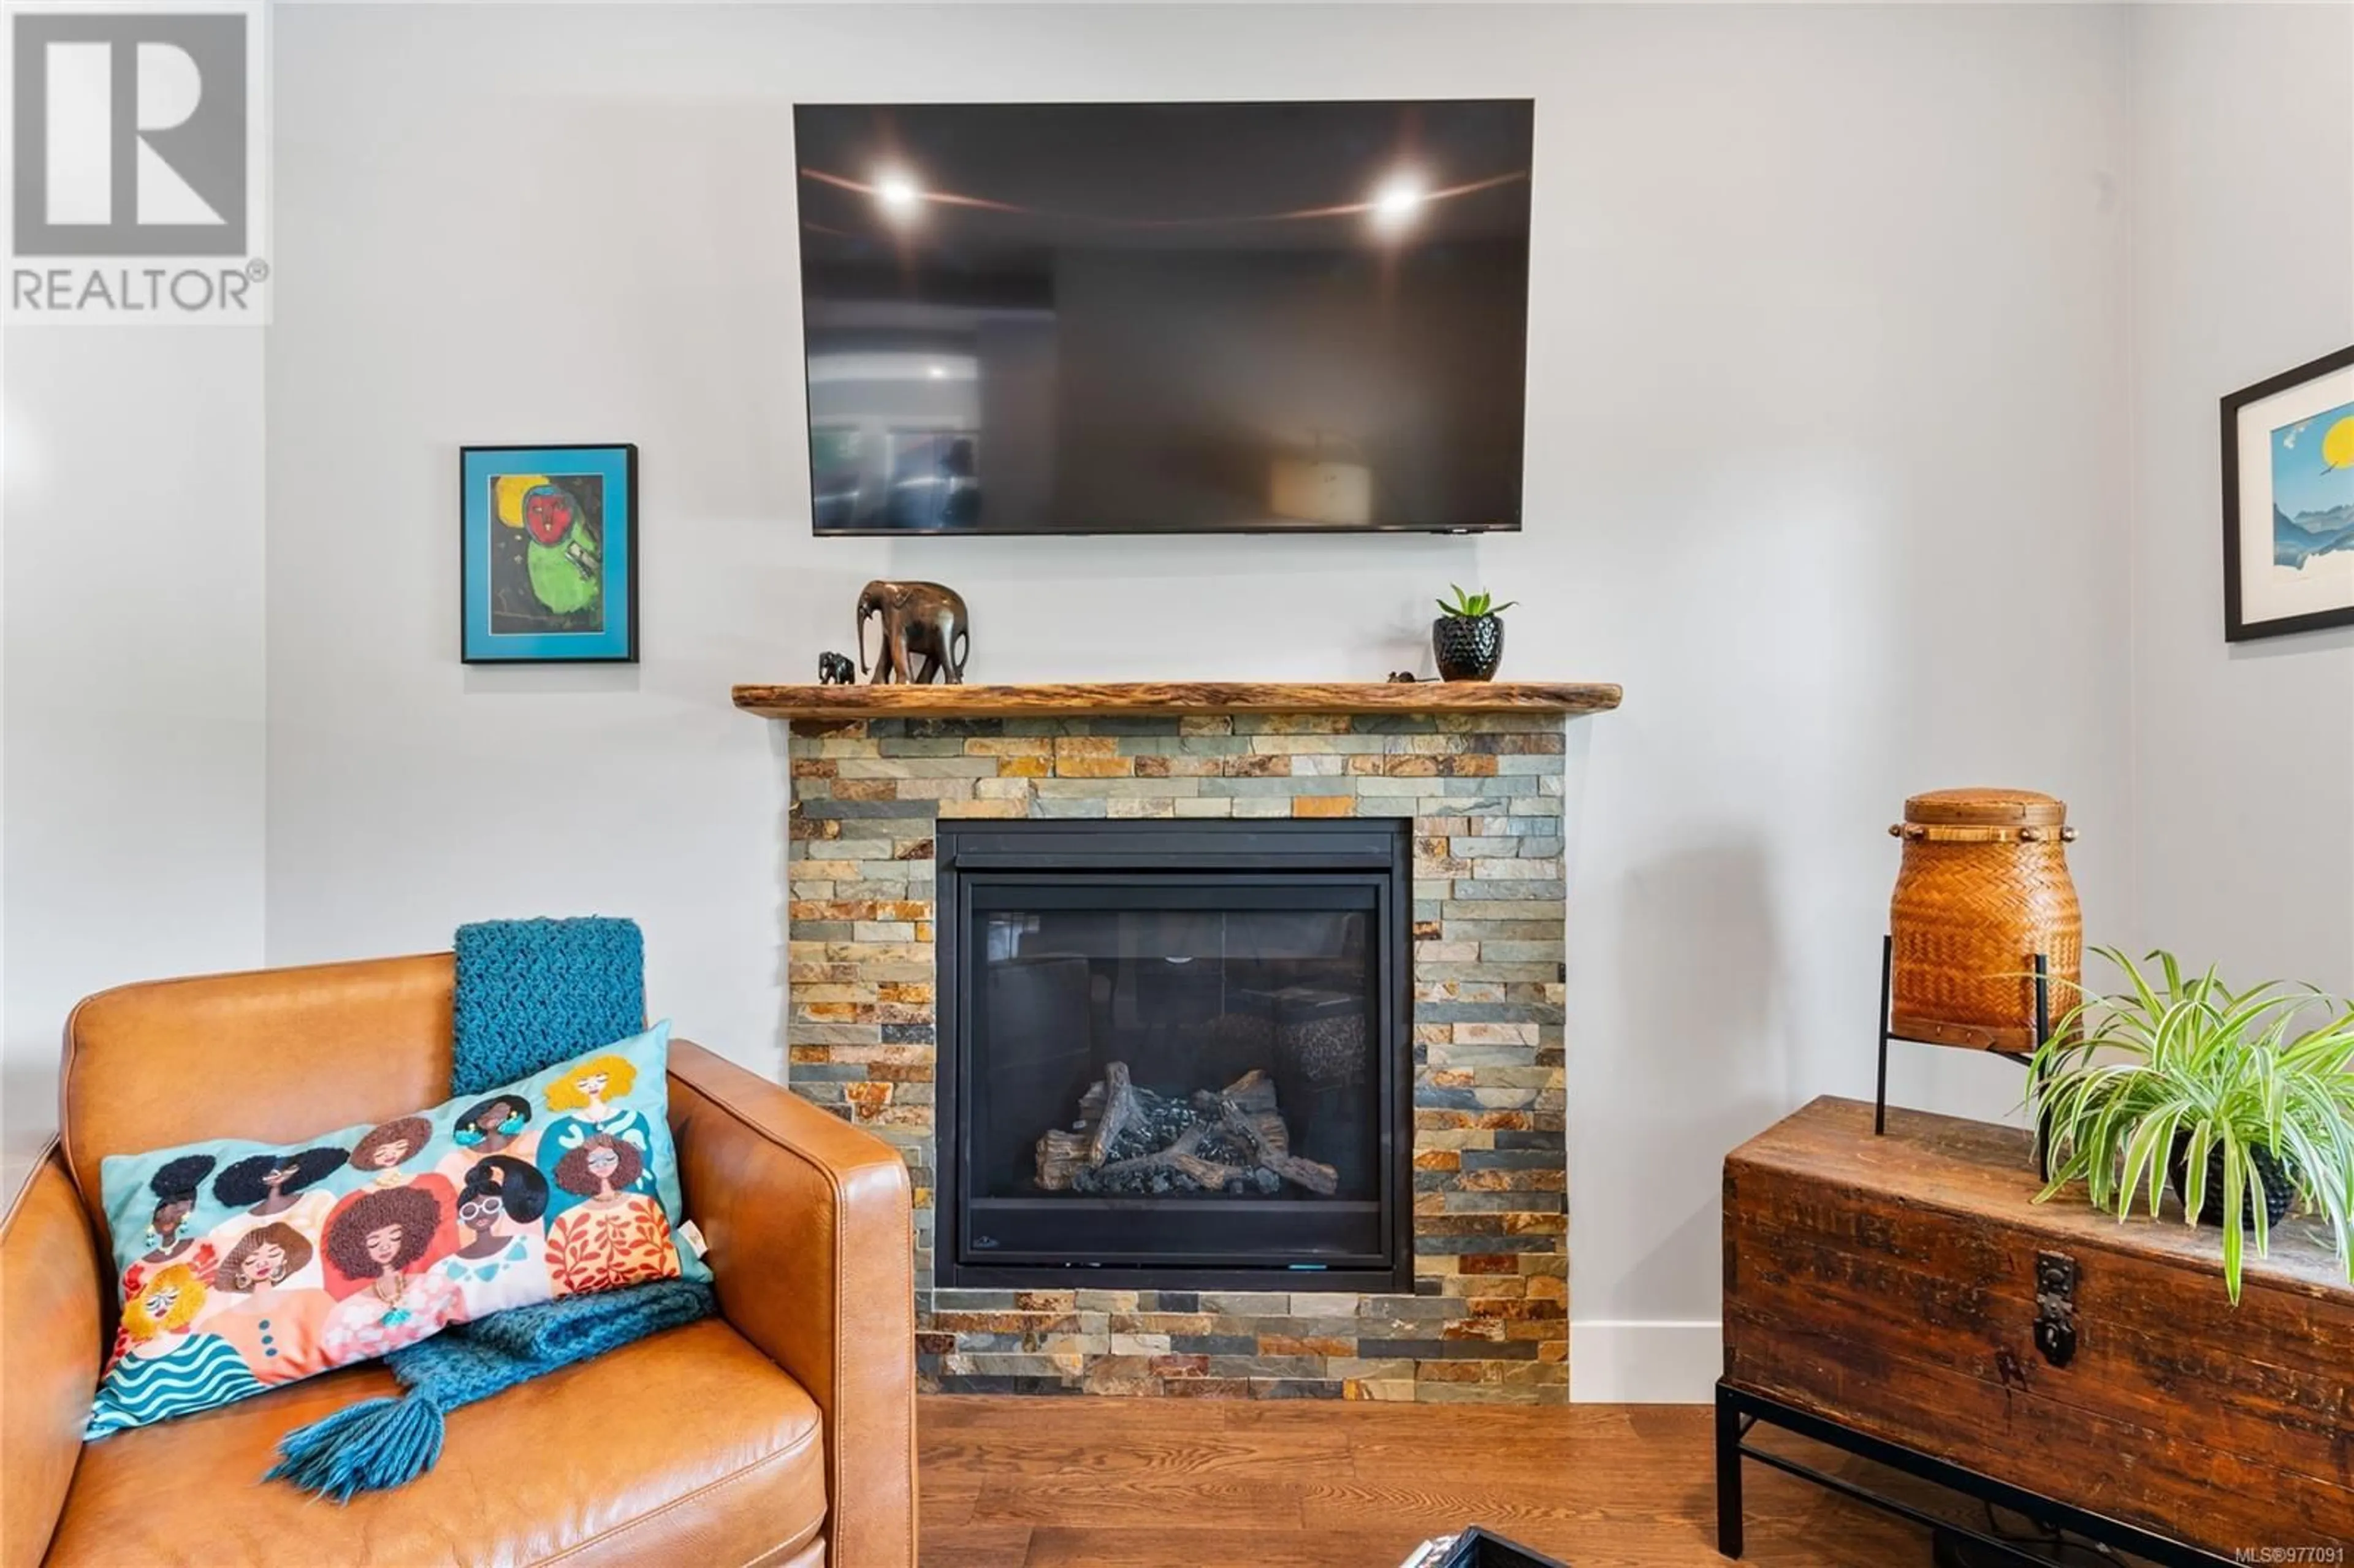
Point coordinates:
[[531, 993]]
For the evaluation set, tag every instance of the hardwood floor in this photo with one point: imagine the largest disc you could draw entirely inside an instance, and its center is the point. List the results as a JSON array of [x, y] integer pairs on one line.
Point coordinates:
[[1182, 1483]]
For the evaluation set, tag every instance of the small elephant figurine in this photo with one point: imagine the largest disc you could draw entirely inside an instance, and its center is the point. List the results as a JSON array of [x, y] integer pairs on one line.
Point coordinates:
[[925, 632], [834, 670]]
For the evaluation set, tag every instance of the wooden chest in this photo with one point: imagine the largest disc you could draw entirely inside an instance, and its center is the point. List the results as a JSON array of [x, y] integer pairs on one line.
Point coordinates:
[[1891, 1285]]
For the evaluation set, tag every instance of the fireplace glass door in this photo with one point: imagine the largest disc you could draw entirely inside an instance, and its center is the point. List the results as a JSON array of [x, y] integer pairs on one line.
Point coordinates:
[[1176, 1070]]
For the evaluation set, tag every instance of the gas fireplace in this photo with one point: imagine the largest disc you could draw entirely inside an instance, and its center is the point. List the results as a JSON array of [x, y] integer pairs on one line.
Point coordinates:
[[1173, 1054]]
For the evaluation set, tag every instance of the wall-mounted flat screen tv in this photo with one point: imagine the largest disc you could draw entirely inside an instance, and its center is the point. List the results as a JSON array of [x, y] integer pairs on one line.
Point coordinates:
[[1164, 318]]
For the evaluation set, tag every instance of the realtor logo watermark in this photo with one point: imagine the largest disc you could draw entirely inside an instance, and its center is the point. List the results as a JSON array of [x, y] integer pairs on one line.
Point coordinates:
[[138, 162]]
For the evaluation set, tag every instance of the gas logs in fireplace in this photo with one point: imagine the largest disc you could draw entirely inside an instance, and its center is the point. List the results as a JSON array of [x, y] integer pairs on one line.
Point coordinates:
[[1133, 1142]]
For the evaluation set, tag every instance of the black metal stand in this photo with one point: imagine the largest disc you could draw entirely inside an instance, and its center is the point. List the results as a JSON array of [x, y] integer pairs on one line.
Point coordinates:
[[2043, 967], [1738, 1410]]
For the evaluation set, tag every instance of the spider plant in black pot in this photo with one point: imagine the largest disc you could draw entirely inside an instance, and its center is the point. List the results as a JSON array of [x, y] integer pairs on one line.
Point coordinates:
[[2239, 1096], [1467, 638]]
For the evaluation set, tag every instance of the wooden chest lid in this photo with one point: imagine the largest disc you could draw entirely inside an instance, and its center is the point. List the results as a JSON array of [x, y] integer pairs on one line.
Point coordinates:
[[1985, 807], [1942, 1163]]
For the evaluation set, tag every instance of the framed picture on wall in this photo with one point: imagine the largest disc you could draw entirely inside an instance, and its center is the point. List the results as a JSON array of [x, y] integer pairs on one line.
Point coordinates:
[[2288, 501], [548, 555]]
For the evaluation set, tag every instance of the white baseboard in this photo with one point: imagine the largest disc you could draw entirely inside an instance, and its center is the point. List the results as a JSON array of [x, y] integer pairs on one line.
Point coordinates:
[[1635, 1361]]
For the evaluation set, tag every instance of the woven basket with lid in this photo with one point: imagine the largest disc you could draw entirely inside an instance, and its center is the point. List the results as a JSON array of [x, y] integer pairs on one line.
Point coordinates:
[[1983, 888]]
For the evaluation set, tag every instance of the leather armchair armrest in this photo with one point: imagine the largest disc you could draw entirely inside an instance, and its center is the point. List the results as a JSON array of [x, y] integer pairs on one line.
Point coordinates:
[[51, 1281], [811, 1230]]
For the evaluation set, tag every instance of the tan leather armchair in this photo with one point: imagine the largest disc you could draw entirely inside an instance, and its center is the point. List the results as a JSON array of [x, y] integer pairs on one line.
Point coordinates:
[[782, 1434]]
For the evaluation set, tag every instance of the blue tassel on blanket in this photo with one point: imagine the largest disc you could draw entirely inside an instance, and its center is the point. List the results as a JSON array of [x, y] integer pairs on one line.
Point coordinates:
[[375, 1444], [385, 1442]]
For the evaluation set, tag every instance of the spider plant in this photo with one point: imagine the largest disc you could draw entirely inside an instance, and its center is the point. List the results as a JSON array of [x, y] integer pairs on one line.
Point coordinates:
[[2173, 1069]]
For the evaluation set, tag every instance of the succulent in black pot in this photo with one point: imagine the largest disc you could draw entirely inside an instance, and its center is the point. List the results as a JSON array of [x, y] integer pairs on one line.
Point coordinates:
[[1467, 638]]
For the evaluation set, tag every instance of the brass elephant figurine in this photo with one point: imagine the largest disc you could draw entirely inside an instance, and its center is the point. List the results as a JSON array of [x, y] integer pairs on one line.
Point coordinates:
[[925, 632]]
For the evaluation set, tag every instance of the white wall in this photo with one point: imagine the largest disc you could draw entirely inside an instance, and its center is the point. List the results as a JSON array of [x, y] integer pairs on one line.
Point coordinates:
[[1886, 246], [131, 639], [2242, 266], [1826, 415]]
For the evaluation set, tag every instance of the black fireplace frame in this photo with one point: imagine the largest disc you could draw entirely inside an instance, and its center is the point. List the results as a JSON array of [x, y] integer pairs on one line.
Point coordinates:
[[974, 850]]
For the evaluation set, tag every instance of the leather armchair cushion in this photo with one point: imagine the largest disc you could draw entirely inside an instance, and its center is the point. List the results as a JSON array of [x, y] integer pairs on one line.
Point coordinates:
[[689, 1447]]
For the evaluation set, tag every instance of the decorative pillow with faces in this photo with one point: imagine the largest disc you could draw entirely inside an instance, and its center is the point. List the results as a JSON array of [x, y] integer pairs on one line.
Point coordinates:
[[244, 1265]]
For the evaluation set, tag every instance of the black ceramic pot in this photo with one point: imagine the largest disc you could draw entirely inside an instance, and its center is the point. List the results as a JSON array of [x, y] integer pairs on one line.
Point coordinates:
[[2277, 1195], [1467, 647]]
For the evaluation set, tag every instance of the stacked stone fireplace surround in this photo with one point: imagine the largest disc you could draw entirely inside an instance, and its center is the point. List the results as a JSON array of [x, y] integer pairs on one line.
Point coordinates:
[[1488, 1319]]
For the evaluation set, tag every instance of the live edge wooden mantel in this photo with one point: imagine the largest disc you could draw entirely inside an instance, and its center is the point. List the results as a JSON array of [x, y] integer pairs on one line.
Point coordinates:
[[1162, 698]]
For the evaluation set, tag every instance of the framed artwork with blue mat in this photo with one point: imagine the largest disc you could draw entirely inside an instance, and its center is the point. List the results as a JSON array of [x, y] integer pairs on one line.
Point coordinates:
[[548, 555], [2288, 501]]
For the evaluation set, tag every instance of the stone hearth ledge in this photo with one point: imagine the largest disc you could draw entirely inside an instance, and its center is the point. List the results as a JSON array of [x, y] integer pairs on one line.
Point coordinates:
[[1488, 1319]]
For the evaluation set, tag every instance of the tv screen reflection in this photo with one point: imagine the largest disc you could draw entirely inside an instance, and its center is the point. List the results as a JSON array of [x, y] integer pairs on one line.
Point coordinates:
[[1164, 318]]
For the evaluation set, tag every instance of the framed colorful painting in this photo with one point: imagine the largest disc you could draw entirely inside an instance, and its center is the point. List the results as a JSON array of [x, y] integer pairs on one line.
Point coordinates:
[[548, 555], [2288, 501]]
